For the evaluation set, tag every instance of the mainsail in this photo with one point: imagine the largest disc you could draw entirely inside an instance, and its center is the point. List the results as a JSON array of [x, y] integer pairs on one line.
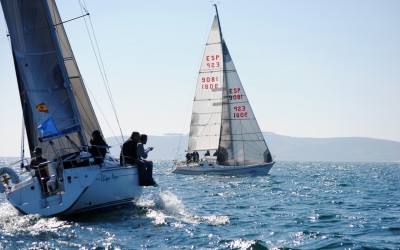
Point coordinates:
[[53, 97], [205, 124]]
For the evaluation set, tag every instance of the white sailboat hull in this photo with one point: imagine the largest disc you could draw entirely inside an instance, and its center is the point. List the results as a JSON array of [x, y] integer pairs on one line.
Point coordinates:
[[212, 168], [83, 189]]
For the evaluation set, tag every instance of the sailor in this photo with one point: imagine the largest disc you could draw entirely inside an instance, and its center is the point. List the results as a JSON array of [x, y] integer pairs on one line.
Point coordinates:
[[148, 165], [99, 147], [129, 150], [222, 156], [39, 168], [196, 156], [129, 156], [188, 157], [267, 156]]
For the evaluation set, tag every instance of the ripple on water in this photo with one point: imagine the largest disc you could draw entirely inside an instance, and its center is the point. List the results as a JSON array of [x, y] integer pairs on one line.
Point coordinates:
[[297, 206]]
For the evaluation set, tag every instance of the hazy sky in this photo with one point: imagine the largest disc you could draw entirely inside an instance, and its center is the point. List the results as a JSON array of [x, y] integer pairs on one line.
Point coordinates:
[[310, 68]]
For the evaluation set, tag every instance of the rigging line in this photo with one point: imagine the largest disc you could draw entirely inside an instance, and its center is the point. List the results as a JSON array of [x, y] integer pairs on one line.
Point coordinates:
[[101, 111], [87, 14], [23, 140], [106, 82], [183, 125], [95, 100], [102, 69], [102, 65]]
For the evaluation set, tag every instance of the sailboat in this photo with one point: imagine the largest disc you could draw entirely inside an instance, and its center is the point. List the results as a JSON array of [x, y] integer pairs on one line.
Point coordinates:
[[59, 118], [222, 119]]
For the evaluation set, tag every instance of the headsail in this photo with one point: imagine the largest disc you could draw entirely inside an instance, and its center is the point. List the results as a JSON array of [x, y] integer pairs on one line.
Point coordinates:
[[205, 124], [53, 97]]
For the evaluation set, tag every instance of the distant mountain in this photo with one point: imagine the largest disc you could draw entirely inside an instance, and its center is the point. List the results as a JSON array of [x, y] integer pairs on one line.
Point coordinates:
[[286, 148], [347, 149]]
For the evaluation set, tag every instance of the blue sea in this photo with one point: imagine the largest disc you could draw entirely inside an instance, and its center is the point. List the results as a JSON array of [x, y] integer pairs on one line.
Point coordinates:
[[299, 205]]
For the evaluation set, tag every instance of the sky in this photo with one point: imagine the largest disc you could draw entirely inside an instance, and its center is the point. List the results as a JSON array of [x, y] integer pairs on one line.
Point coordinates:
[[310, 68]]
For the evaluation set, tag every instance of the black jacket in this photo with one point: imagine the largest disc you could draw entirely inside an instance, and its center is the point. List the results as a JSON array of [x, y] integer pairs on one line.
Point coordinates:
[[129, 152], [98, 151]]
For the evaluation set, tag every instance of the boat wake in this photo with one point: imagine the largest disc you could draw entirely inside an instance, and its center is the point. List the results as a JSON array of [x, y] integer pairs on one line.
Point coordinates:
[[14, 224], [166, 208]]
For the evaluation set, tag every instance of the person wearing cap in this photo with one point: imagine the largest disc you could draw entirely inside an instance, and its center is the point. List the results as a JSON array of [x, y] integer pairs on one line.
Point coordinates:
[[99, 147], [40, 170]]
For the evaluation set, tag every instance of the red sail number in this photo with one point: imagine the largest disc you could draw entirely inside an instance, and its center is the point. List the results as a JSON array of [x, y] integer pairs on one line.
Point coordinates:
[[239, 111], [212, 61], [240, 115], [210, 82]]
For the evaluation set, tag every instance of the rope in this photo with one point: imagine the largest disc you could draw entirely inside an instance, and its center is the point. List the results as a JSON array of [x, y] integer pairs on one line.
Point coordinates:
[[100, 64], [23, 141]]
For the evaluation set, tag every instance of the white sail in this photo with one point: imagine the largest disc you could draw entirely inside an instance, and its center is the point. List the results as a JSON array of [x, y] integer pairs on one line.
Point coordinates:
[[205, 124]]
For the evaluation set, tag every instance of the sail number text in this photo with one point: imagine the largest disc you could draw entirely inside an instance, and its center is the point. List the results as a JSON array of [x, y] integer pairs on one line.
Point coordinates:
[[239, 111], [212, 61], [209, 82], [235, 94]]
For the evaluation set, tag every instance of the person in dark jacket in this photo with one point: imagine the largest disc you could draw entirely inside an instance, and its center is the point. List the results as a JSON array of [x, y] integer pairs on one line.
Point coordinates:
[[142, 155], [99, 147], [188, 157], [195, 156], [129, 150], [37, 164]]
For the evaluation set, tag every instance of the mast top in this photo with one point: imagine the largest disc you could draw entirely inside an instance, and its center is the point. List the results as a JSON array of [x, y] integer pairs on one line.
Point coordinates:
[[219, 24]]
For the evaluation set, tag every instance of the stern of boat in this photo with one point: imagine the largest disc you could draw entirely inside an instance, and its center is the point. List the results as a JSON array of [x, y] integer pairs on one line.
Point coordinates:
[[30, 197]]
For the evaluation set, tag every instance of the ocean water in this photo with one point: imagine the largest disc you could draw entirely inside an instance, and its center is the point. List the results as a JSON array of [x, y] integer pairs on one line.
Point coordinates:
[[299, 205]]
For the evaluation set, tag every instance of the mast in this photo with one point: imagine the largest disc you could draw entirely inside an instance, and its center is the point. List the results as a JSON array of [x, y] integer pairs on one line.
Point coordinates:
[[225, 106], [223, 84], [219, 23]]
